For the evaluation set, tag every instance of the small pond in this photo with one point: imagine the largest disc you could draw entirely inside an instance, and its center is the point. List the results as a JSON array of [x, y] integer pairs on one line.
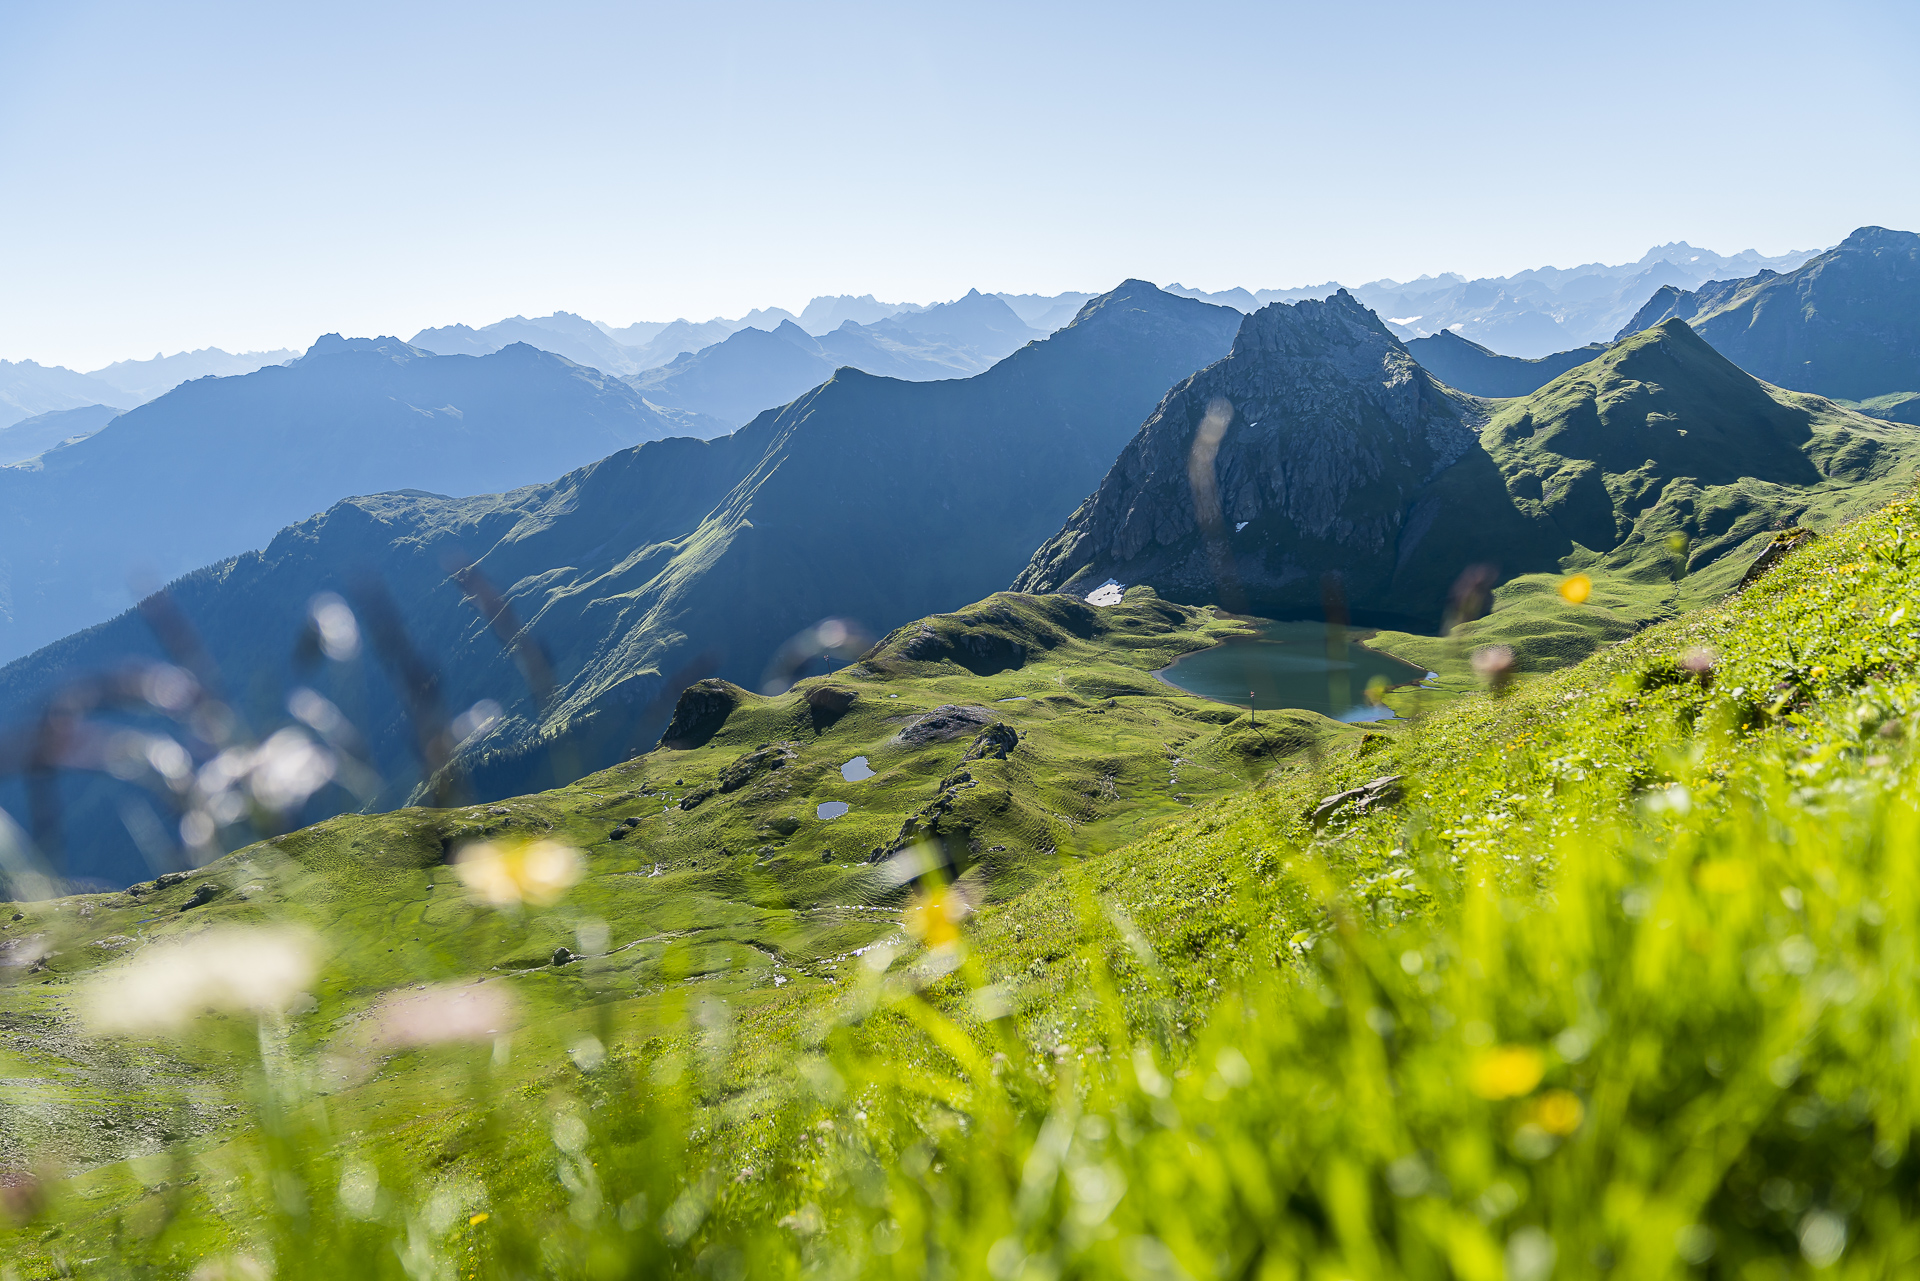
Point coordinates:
[[856, 769], [831, 809], [1288, 665]]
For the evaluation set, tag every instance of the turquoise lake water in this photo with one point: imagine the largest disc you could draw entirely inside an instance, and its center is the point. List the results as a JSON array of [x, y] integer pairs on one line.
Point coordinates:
[[1289, 665]]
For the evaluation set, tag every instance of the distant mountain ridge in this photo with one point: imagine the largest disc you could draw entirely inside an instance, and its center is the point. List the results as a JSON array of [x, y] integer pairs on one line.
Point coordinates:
[[1845, 324], [31, 437], [217, 465], [1466, 366], [28, 390], [1531, 313]]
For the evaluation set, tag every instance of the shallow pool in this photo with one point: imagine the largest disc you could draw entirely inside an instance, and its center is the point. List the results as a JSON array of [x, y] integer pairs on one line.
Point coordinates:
[[1291, 665], [831, 809], [856, 769]]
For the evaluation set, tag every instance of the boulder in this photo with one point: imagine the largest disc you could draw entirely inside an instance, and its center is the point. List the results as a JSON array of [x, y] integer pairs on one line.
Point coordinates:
[[1375, 794]]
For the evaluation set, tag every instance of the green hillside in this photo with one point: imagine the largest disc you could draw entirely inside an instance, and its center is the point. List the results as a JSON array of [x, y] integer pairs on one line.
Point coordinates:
[[1009, 735], [1624, 976]]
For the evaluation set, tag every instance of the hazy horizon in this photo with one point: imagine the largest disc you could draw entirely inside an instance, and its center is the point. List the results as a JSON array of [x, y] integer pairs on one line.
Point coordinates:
[[220, 176]]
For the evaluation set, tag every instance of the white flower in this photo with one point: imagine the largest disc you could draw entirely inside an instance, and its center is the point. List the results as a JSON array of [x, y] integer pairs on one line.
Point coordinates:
[[237, 970], [472, 1012]]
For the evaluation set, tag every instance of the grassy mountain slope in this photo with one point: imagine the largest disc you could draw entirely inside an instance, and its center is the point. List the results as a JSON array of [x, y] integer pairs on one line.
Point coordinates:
[[1669, 471], [715, 842], [1479, 371], [1621, 984], [1845, 324], [216, 466], [867, 499]]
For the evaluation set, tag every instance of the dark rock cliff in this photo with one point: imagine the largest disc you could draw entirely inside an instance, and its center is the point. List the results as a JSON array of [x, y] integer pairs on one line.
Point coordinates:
[[1318, 449]]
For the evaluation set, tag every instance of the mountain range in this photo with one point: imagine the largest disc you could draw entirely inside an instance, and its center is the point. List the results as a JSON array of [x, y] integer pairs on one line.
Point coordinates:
[[1303, 449], [868, 499], [217, 465]]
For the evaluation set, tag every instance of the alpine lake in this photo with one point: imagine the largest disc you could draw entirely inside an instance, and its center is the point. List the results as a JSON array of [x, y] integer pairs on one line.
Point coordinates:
[[1309, 665]]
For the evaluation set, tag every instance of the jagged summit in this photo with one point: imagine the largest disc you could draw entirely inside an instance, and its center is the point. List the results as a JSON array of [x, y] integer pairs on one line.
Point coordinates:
[[1299, 455]]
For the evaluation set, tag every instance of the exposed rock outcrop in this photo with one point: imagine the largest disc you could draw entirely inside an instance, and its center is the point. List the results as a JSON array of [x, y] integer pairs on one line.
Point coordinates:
[[1317, 446], [942, 723]]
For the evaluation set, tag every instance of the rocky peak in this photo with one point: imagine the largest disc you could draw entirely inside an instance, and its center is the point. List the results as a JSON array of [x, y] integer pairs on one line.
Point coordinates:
[[1300, 454]]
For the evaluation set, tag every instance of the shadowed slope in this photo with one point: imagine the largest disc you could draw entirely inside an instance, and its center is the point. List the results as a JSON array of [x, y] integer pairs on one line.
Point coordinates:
[[1847, 324]]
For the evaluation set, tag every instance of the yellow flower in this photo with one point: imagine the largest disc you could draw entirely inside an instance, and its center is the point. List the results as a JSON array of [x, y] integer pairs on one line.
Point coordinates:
[[1723, 876], [1819, 673], [476, 1220], [1507, 1072], [510, 873], [1559, 1112], [934, 917], [1575, 588]]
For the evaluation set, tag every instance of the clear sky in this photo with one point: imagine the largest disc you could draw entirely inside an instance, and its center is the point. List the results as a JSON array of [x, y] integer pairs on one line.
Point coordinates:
[[250, 175]]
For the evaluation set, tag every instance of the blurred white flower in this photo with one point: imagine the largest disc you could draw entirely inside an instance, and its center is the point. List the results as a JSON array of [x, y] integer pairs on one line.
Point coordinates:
[[510, 873], [335, 625], [236, 970], [287, 769], [470, 1012]]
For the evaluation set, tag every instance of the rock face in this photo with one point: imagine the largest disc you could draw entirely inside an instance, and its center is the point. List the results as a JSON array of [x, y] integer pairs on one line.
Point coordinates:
[[1317, 447], [1846, 324]]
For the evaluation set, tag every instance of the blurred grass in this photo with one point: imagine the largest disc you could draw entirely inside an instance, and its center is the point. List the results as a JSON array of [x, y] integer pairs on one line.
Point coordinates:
[[1627, 986]]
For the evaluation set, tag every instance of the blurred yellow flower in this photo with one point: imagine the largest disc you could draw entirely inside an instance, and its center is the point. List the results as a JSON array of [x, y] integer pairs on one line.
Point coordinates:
[[478, 1219], [511, 873], [1723, 876], [934, 916], [1559, 1112], [1575, 588], [1507, 1072]]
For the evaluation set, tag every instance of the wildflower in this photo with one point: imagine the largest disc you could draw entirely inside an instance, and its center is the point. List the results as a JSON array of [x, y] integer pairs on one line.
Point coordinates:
[[934, 916], [1493, 664], [474, 1012], [1507, 1072], [511, 873], [164, 987], [1559, 1112], [476, 1220], [1575, 588]]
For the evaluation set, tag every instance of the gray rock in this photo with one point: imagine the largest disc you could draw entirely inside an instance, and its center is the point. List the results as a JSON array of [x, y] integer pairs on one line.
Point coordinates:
[[1375, 794], [943, 723]]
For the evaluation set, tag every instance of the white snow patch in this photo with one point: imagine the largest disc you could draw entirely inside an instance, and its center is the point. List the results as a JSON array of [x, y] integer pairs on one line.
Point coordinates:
[[1240, 525], [1108, 593]]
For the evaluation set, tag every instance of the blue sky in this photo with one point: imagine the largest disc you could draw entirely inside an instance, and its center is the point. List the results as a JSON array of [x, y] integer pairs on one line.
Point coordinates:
[[250, 175]]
